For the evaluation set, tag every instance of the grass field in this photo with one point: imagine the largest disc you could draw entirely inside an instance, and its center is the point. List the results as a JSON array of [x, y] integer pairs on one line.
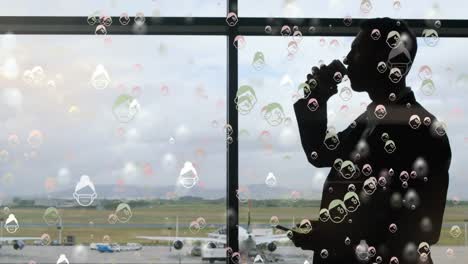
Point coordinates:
[[94, 225]]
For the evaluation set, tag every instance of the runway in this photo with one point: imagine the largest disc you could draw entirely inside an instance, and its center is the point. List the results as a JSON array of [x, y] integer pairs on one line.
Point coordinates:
[[161, 254]]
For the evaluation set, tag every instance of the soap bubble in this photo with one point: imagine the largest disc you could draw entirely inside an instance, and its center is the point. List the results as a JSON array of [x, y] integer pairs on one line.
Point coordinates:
[[51, 216], [270, 180], [125, 108], [35, 138], [11, 224], [124, 19], [431, 37], [232, 19], [123, 213], [100, 30], [100, 78], [188, 176], [85, 192], [285, 31], [393, 228], [455, 231]]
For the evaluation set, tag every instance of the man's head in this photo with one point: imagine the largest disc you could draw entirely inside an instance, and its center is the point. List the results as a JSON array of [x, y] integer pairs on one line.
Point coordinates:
[[381, 56]]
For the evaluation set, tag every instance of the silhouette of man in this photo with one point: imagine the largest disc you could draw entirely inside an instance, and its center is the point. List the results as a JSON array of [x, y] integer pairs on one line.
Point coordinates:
[[384, 198]]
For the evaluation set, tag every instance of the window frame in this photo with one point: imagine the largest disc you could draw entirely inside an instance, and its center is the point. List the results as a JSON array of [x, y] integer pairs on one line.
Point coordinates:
[[217, 26]]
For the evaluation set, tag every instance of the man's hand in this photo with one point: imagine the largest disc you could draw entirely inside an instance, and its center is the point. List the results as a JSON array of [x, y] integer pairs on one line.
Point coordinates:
[[324, 80]]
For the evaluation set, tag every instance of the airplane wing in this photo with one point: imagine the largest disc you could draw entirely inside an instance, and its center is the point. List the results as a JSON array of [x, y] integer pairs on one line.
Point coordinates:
[[18, 238], [202, 239], [271, 238]]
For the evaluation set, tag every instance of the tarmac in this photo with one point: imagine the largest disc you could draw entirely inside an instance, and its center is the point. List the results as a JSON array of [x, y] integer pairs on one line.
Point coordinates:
[[163, 254]]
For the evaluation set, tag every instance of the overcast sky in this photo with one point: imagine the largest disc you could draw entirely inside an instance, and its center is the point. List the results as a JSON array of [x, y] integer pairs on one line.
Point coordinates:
[[82, 136]]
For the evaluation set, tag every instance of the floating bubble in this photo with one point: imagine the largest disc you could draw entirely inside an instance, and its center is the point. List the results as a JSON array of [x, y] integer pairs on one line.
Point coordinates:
[[285, 31], [100, 30], [239, 42], [292, 47], [439, 127], [100, 78], [125, 108], [105, 20], [258, 62], [140, 19], [392, 97], [414, 122], [268, 29], [347, 21], [11, 224], [427, 87], [295, 196], [394, 260], [411, 199], [45, 239], [4, 155], [124, 19], [112, 219], [366, 6], [455, 231], [346, 93], [381, 67], [431, 37], [393, 228], [270, 180], [312, 29], [324, 215], [106, 239], [367, 170], [258, 259], [351, 201], [331, 140], [395, 75], [425, 73], [385, 137], [313, 155], [337, 164], [337, 211], [232, 19], [188, 176], [245, 99], [347, 169], [297, 36], [63, 259], [324, 253], [274, 221], [380, 111], [382, 181], [194, 227], [243, 195], [51, 216], [450, 252], [85, 192], [396, 4], [305, 226], [375, 34], [393, 39], [337, 77], [370, 185], [35, 138], [362, 251], [312, 104], [123, 213], [390, 146], [273, 113]]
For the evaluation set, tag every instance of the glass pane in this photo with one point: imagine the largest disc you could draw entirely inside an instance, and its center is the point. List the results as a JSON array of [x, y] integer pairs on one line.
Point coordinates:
[[358, 8], [104, 140], [180, 8], [277, 182]]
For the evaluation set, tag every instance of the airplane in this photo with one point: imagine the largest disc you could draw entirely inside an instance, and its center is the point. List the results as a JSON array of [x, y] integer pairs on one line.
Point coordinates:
[[248, 241], [18, 242]]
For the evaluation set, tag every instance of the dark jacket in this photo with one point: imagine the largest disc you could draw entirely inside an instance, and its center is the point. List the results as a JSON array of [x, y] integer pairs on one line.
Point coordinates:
[[396, 217]]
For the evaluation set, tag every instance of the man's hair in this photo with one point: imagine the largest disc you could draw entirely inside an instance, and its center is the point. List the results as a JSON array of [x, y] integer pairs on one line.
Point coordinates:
[[386, 25]]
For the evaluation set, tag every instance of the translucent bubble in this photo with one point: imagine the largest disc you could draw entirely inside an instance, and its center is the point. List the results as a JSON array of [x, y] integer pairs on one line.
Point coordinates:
[[347, 241], [455, 231], [450, 252], [92, 19], [337, 211], [202, 222], [331, 140], [427, 87], [372, 251], [314, 155], [232, 19], [366, 6], [337, 77], [324, 253], [305, 226], [425, 73], [375, 34], [393, 39], [112, 219], [312, 104], [285, 31], [346, 93], [85, 192], [188, 176], [243, 195], [105, 20], [370, 185], [124, 19], [413, 175], [100, 78], [62, 259], [4, 155], [123, 213], [274, 221], [51, 216], [404, 176], [408, 105], [381, 67], [35, 138], [391, 172], [347, 169], [378, 259], [390, 146], [293, 47], [396, 4], [424, 248], [351, 188], [270, 180], [258, 259], [337, 164], [11, 224], [297, 36], [140, 19], [395, 75], [380, 111], [324, 215], [367, 169], [348, 20], [312, 29], [439, 127], [45, 239], [258, 62], [382, 181], [437, 24], [411, 199], [239, 42], [393, 228], [351, 200], [106, 239], [273, 113], [194, 227], [100, 30], [268, 29], [431, 37], [362, 251], [13, 140], [125, 108]]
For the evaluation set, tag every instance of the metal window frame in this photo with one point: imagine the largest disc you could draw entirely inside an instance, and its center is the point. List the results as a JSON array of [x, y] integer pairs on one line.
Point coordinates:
[[217, 26]]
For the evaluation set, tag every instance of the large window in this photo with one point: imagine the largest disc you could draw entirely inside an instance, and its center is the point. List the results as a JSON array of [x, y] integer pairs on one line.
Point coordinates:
[[163, 131]]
